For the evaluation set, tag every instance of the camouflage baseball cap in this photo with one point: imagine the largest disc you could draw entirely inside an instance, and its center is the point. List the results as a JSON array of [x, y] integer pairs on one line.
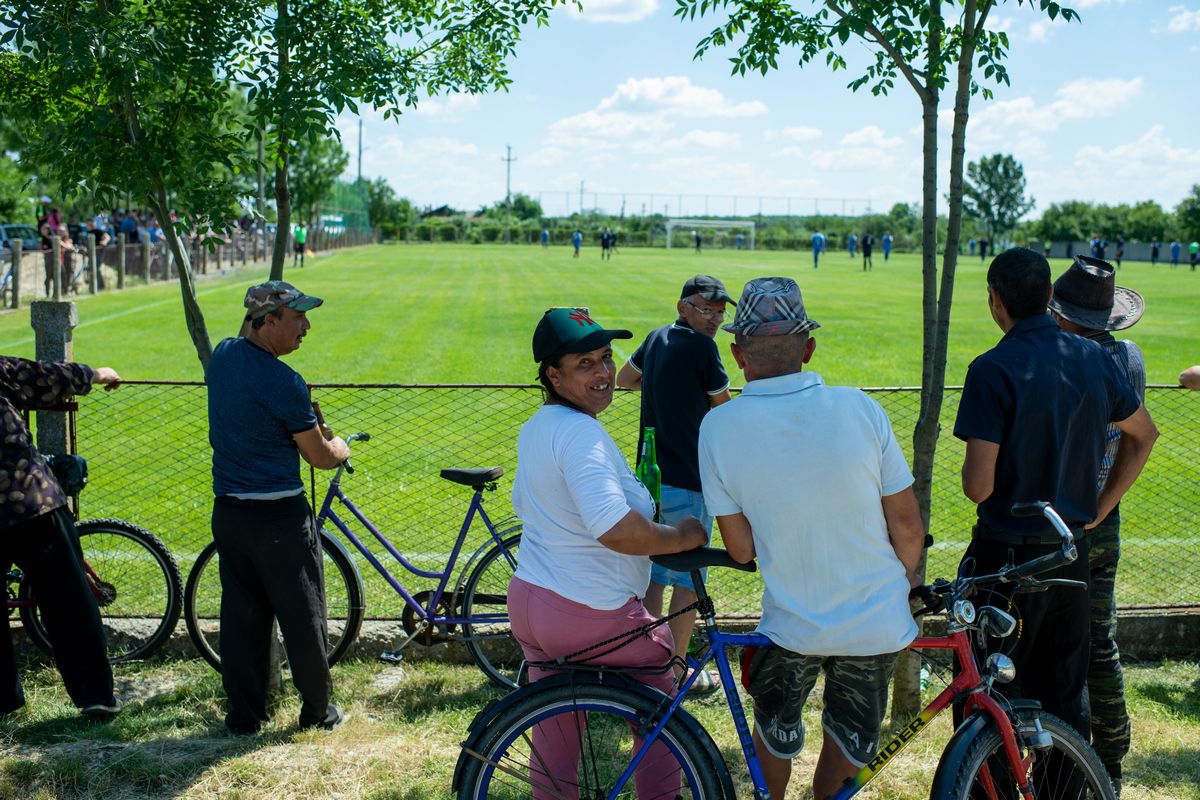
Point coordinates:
[[267, 297]]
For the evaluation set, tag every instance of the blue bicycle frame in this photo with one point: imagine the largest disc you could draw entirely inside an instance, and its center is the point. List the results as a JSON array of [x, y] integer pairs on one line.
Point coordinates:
[[428, 615]]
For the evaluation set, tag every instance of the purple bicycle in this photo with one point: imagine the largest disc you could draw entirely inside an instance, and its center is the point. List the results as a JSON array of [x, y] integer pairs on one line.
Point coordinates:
[[469, 603]]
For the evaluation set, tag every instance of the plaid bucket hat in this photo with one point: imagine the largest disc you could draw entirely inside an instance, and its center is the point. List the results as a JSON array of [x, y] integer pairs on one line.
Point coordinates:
[[771, 307], [272, 295]]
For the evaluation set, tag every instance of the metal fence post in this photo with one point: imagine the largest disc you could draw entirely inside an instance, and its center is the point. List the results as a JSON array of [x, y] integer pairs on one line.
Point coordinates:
[[121, 260], [52, 324], [145, 254], [93, 267], [17, 246]]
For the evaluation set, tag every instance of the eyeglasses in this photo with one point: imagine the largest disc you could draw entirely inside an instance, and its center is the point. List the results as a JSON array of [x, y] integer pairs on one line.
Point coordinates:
[[707, 313]]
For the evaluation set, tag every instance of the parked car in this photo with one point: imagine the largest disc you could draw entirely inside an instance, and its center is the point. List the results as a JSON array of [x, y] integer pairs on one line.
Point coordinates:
[[26, 233]]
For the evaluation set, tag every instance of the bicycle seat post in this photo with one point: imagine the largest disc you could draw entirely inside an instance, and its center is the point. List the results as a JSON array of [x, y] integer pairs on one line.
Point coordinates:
[[705, 609]]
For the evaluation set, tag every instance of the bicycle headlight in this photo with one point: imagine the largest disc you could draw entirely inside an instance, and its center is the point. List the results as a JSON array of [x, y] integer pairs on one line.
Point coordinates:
[[1001, 668], [995, 622]]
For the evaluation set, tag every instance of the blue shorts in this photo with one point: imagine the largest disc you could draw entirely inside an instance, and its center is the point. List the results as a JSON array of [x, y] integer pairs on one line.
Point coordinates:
[[674, 505]]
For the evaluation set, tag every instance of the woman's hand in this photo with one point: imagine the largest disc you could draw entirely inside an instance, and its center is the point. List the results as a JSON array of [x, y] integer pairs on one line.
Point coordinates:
[[106, 377], [635, 535]]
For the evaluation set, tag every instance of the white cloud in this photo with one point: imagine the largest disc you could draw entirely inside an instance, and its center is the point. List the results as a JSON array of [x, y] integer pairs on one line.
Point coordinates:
[[865, 147], [677, 94], [796, 134], [1183, 20], [1085, 4], [1085, 98], [606, 130], [1150, 154], [621, 11], [1039, 30], [451, 106], [703, 140]]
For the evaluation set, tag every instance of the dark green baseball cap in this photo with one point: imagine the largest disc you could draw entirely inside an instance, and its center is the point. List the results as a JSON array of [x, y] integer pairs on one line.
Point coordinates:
[[570, 330]]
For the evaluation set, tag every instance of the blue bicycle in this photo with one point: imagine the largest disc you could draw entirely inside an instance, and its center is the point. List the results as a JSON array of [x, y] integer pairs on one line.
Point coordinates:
[[468, 604], [595, 733]]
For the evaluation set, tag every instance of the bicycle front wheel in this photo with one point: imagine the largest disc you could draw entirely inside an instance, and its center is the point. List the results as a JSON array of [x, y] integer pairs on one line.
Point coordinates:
[[576, 740], [1068, 769], [136, 583], [343, 602], [485, 598]]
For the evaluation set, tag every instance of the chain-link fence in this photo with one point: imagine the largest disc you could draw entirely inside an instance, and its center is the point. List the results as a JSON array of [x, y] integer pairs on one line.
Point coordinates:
[[150, 462]]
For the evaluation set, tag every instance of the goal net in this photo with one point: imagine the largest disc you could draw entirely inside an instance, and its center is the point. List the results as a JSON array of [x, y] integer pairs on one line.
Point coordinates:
[[713, 233]]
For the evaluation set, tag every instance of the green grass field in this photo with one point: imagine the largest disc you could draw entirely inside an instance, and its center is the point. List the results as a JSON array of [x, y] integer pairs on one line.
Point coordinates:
[[465, 314]]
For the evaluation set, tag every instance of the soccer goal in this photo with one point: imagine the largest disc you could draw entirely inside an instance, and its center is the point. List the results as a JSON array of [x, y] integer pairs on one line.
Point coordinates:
[[714, 233]]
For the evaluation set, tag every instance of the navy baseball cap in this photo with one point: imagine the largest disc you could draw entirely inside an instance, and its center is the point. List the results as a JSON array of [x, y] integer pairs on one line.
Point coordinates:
[[708, 287]]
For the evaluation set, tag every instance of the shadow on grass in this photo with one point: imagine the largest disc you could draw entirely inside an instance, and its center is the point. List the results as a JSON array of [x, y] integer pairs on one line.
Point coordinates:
[[1163, 767], [1173, 695]]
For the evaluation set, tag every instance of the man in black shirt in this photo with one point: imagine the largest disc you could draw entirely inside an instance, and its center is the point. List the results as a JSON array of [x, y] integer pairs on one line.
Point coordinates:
[[679, 373], [1033, 413]]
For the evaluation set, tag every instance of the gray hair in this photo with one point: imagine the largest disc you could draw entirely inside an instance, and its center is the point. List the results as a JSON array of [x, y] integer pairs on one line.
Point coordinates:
[[774, 355]]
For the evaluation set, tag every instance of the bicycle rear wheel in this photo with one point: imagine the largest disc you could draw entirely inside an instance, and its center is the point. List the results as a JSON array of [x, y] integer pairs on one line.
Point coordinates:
[[137, 586], [575, 739], [1068, 769], [491, 643], [343, 602]]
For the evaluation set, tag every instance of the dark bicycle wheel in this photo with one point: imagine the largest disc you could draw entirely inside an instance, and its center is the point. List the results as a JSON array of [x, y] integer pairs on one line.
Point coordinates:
[[1067, 769], [575, 738], [137, 586], [485, 595], [343, 602]]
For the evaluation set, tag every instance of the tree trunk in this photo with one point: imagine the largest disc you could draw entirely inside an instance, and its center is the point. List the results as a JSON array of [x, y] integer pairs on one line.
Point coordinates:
[[283, 199], [906, 693], [192, 314]]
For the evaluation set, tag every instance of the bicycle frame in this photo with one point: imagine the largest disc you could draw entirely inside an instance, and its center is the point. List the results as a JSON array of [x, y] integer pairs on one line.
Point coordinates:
[[967, 684], [426, 614]]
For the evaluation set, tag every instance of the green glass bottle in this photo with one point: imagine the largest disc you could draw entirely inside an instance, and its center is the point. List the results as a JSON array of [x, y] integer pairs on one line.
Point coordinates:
[[648, 472]]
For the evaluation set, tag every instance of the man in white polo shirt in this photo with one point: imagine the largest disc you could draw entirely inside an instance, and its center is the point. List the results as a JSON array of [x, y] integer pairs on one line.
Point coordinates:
[[809, 478]]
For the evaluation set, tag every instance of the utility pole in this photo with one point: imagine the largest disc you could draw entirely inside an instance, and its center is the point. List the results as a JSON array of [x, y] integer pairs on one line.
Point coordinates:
[[508, 160], [360, 151], [581, 196]]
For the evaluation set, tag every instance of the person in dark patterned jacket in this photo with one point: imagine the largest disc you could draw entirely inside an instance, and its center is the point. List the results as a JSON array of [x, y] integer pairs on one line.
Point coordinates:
[[37, 533]]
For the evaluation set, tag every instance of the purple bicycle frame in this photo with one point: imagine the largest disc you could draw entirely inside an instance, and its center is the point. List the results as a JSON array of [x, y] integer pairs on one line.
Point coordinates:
[[426, 614]]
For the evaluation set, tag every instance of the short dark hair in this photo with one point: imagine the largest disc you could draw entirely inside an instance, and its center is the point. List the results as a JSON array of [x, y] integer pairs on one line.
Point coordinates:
[[1021, 278], [258, 322]]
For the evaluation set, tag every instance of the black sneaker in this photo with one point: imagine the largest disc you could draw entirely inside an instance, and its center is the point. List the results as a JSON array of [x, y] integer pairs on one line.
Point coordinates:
[[101, 710], [333, 719]]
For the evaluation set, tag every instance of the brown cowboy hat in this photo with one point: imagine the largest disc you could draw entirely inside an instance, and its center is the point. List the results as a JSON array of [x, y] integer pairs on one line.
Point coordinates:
[[1087, 295]]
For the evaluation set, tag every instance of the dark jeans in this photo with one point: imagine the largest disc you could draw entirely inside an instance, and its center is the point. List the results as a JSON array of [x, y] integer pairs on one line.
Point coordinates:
[[270, 567], [1051, 645], [46, 548]]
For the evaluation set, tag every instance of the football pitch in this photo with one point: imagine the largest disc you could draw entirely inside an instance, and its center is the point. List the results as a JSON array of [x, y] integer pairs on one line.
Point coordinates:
[[465, 315]]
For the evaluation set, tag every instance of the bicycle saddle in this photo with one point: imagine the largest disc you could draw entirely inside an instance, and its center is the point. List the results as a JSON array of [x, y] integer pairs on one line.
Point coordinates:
[[474, 477], [702, 557]]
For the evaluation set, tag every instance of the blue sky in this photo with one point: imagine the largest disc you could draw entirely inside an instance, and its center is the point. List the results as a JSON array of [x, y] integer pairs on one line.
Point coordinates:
[[1106, 109]]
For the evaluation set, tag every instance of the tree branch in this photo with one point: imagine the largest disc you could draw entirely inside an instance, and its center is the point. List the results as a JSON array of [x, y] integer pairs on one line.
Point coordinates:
[[906, 70]]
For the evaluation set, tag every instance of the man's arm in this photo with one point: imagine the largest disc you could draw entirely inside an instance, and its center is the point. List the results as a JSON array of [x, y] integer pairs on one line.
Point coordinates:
[[738, 537], [1138, 434], [903, 517], [720, 397], [634, 535], [1190, 377], [322, 453], [979, 469], [629, 377]]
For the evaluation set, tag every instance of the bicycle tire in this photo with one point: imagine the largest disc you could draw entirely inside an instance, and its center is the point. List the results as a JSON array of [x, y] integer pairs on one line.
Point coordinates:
[[1068, 768], [611, 710], [492, 645], [141, 590], [344, 607]]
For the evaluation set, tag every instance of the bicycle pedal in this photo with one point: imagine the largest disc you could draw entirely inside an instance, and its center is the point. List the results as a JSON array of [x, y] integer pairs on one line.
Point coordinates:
[[391, 657]]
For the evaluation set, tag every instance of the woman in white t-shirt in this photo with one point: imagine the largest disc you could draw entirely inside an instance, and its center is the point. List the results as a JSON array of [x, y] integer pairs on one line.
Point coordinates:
[[588, 534]]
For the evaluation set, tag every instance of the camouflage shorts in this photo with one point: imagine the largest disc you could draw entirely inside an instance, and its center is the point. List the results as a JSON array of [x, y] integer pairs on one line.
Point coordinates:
[[856, 691]]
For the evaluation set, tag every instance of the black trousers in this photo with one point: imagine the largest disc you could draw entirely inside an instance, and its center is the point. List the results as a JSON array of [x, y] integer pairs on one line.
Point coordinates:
[[46, 548], [1051, 645], [270, 567]]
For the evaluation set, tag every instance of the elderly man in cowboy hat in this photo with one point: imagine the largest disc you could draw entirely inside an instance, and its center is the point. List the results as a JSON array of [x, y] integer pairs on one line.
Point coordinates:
[[1033, 414], [1086, 301], [260, 422], [809, 478]]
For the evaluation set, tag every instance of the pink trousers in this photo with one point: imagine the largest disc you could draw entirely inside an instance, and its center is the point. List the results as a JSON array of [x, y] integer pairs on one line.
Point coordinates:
[[549, 625]]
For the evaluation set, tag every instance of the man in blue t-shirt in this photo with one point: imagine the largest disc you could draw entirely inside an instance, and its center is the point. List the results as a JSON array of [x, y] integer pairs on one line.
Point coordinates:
[[887, 245], [679, 373], [818, 247], [1033, 414], [260, 421]]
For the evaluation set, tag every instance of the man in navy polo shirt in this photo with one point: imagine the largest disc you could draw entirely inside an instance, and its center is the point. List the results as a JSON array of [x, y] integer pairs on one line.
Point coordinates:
[[1033, 413], [260, 421], [679, 373]]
